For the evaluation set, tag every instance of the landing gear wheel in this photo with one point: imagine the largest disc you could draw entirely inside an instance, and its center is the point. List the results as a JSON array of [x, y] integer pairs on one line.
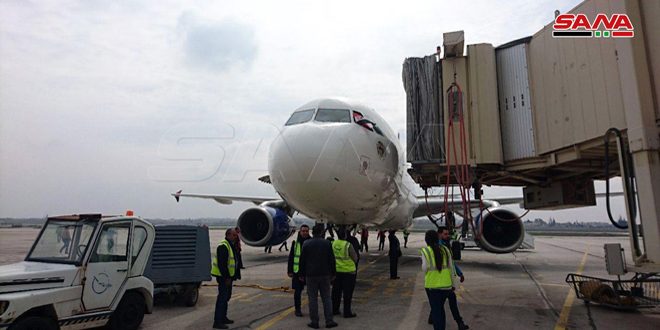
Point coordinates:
[[34, 323], [191, 295], [129, 313]]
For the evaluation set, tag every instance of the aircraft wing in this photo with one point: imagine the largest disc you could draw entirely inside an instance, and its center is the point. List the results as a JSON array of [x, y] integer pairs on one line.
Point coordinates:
[[436, 204], [222, 199], [519, 199]]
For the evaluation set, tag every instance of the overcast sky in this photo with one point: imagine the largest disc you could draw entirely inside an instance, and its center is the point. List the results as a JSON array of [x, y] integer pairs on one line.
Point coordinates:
[[94, 95]]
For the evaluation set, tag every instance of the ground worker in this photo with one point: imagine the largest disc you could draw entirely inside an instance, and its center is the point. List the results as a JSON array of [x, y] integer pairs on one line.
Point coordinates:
[[394, 253], [364, 239], [223, 267], [293, 267], [381, 240], [438, 269], [356, 245], [406, 233], [443, 235], [443, 239], [317, 269], [283, 245], [344, 284]]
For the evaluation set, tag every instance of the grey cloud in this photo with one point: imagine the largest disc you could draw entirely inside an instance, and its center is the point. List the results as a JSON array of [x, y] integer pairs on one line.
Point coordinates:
[[219, 45]]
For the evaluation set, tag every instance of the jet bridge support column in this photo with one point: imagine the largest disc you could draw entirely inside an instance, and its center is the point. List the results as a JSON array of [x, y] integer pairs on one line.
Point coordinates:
[[637, 57]]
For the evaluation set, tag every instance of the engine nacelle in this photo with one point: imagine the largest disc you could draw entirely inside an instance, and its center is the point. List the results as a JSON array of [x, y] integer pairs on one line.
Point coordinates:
[[264, 225], [502, 230]]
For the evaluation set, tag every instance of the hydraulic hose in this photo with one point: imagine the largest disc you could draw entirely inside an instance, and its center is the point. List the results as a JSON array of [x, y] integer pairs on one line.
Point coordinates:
[[607, 174], [629, 186]]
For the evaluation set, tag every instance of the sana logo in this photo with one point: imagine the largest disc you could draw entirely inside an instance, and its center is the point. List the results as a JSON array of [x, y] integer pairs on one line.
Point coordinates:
[[603, 25]]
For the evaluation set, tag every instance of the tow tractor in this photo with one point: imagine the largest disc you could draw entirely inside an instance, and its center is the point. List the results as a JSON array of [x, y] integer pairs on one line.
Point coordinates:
[[83, 271]]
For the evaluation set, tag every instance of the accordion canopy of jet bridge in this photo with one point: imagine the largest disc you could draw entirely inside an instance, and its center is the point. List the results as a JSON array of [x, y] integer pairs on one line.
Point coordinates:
[[425, 138]]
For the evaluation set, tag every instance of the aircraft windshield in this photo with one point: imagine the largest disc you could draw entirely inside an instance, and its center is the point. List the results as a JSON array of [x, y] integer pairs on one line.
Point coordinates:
[[333, 116], [300, 117], [62, 241]]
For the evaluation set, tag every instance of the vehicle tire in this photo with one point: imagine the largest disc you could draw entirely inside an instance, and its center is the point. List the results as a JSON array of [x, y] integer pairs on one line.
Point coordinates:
[[456, 250], [191, 295], [129, 313], [34, 323]]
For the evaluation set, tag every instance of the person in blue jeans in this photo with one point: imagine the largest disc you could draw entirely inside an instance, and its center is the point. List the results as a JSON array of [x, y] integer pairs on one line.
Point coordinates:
[[443, 237]]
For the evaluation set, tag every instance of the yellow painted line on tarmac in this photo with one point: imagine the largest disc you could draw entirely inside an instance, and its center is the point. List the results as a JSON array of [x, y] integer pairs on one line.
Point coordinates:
[[290, 310], [562, 322], [237, 296], [554, 284], [278, 318], [251, 298]]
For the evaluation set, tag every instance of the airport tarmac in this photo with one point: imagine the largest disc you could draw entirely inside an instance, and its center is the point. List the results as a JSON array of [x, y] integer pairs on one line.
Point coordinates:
[[522, 290]]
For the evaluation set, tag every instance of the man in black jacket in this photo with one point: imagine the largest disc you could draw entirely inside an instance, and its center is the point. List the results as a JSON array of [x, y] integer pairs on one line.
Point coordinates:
[[318, 269], [394, 254], [293, 267], [355, 243]]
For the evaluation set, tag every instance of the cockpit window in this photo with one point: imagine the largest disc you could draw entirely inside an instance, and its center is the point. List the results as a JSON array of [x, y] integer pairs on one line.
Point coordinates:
[[366, 123], [333, 116], [300, 117]]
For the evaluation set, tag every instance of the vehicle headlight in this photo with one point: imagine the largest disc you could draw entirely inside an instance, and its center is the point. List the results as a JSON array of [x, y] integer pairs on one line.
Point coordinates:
[[3, 306]]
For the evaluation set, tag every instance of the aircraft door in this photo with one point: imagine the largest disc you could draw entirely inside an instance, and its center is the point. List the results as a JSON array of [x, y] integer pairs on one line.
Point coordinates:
[[107, 268]]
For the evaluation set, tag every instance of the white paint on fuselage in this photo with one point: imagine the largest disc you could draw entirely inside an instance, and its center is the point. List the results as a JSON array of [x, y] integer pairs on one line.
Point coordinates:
[[318, 168]]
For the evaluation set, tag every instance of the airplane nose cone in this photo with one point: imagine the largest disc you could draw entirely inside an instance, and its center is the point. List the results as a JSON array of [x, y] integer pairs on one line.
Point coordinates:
[[307, 154], [332, 171]]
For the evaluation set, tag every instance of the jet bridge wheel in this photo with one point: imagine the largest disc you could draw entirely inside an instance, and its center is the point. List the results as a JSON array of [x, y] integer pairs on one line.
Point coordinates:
[[34, 323], [129, 313]]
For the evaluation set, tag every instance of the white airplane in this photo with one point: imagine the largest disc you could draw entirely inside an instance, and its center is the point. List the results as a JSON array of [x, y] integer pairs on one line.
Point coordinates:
[[339, 162]]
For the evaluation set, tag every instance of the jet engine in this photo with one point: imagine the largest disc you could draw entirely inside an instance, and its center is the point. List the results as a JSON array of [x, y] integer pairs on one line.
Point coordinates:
[[501, 230], [264, 225]]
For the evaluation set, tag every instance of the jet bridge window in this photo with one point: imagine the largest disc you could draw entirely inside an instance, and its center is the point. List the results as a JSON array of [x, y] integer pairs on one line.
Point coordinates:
[[333, 116], [300, 117]]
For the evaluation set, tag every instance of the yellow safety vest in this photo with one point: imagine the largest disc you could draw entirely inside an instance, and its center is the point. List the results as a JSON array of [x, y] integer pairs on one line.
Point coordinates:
[[344, 262], [231, 261], [434, 278], [296, 256]]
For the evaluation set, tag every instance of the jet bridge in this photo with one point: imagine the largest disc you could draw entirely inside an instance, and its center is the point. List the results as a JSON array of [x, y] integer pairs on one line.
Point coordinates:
[[534, 113]]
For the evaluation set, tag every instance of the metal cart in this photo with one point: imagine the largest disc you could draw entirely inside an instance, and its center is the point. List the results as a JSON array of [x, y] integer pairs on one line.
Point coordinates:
[[641, 291]]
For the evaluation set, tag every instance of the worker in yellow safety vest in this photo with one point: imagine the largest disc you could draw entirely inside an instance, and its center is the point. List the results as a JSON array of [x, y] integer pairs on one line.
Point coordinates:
[[293, 267], [344, 284], [438, 268], [443, 236], [223, 267]]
